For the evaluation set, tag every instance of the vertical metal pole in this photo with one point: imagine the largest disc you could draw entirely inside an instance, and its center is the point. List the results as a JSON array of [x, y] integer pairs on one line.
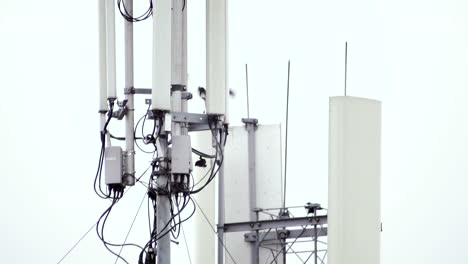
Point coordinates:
[[178, 60], [221, 209], [256, 248], [315, 240], [129, 82], [179, 82], [182, 16], [251, 126], [163, 209], [284, 251]]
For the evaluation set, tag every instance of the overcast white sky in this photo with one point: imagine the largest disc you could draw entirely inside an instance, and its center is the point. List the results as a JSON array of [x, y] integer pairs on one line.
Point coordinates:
[[410, 54]]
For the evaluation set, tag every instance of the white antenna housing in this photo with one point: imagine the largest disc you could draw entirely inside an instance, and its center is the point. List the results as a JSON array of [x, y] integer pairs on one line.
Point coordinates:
[[111, 63], [162, 21], [204, 239], [102, 56], [216, 57], [354, 223], [268, 185]]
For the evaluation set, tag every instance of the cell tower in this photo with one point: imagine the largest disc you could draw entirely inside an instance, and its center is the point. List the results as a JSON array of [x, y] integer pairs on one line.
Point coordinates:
[[254, 225]]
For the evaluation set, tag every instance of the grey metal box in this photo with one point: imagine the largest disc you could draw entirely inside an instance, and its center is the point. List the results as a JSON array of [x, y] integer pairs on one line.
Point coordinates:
[[181, 155], [113, 165]]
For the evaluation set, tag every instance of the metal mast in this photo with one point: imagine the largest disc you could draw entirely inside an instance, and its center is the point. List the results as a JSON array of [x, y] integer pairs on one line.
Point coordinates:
[[129, 173]]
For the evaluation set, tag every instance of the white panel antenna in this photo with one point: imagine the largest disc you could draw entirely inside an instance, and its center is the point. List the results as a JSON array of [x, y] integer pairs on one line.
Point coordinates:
[[205, 238], [354, 223], [111, 63], [216, 57], [237, 194], [102, 56], [162, 21]]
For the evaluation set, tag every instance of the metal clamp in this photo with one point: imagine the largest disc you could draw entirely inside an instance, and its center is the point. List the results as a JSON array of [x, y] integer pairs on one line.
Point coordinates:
[[180, 117], [133, 90]]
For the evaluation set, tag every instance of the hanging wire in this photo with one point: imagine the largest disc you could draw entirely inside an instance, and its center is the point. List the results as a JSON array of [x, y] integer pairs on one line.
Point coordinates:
[[130, 229], [186, 245], [76, 244], [128, 15], [179, 195], [214, 230]]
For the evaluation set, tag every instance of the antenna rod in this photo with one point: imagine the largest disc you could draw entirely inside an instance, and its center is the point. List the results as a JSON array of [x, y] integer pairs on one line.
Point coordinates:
[[247, 86], [286, 140], [346, 67]]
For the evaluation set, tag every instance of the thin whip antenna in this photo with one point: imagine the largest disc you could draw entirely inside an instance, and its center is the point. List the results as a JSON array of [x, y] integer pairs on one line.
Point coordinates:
[[247, 87], [286, 139], [346, 67]]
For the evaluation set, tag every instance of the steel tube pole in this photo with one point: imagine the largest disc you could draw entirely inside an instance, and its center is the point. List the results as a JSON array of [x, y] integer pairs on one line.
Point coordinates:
[[163, 206], [178, 85], [315, 240], [129, 173], [221, 209], [178, 59], [251, 126]]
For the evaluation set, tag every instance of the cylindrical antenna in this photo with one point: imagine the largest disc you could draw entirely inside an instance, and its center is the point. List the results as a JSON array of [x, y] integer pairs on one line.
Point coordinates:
[[247, 89], [346, 67], [102, 57], [111, 63], [286, 139]]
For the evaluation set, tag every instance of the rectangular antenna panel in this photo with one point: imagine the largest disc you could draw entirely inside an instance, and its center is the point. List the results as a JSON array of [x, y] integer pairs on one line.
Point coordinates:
[[354, 181], [162, 21], [204, 241], [269, 185], [216, 57]]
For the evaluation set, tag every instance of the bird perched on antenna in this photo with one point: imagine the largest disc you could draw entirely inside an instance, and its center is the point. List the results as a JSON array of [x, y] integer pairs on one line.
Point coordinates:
[[202, 92]]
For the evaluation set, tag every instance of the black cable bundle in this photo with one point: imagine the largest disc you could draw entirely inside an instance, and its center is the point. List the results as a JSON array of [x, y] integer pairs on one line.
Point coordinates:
[[98, 189], [178, 189], [124, 12], [218, 160], [100, 225]]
